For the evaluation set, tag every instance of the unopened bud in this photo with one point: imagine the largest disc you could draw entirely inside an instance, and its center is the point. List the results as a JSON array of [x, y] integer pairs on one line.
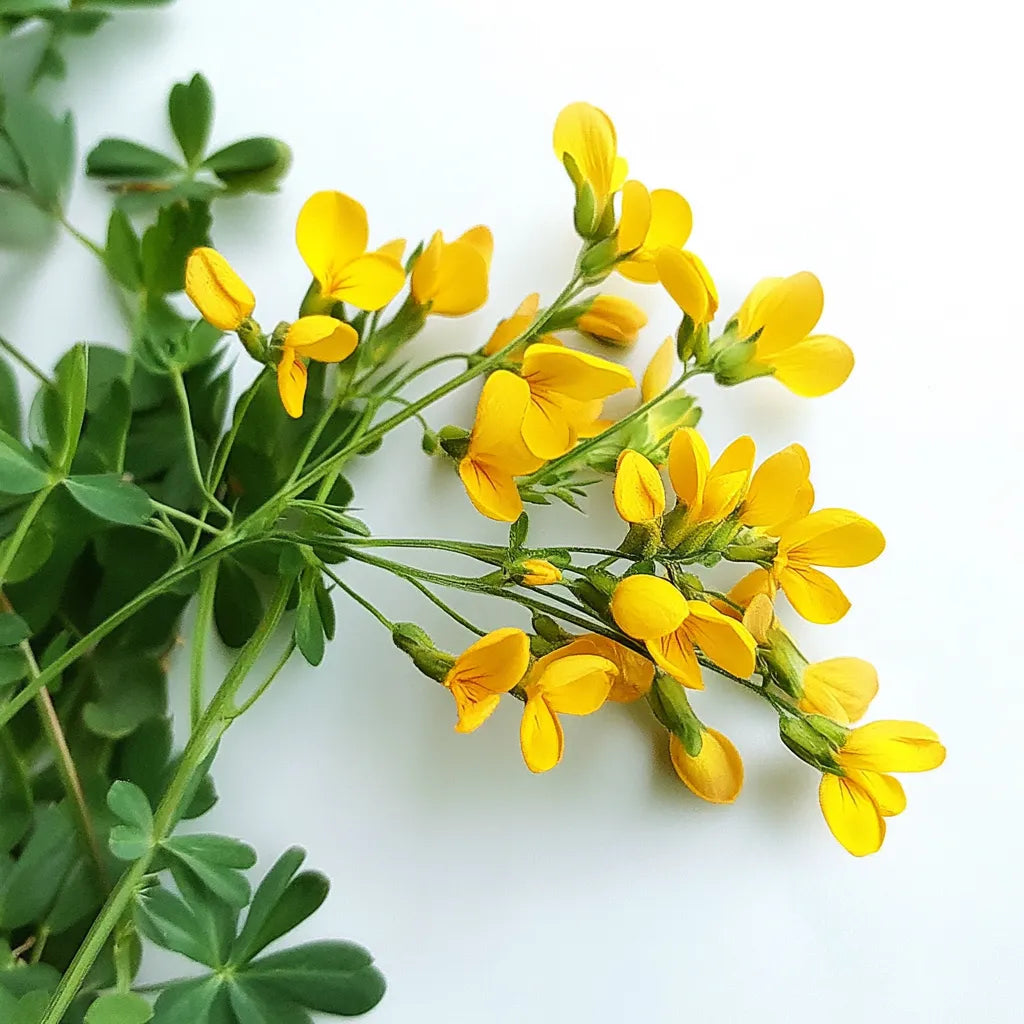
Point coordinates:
[[416, 642], [537, 572], [807, 743]]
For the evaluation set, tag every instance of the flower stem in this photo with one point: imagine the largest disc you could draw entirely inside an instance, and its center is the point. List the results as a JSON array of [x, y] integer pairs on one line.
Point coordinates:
[[200, 630], [18, 356], [9, 549], [190, 437]]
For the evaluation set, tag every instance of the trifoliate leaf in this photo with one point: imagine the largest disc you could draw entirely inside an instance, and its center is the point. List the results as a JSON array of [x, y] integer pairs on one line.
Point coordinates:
[[112, 498], [119, 1008], [21, 471]]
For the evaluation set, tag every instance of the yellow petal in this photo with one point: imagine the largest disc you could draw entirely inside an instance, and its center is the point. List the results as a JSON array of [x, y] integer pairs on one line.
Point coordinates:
[[539, 572], [815, 366], [659, 370], [613, 319], [369, 281], [291, 383], [675, 655], [426, 272], [646, 607], [788, 312], [715, 774], [688, 282], [512, 327], [588, 136], [851, 814], [461, 285], [748, 325], [689, 463], [540, 736], [481, 239], [721, 639], [889, 746], [473, 707], [495, 662], [886, 791], [634, 675], [578, 375], [832, 537], [776, 489], [759, 581], [547, 429], [639, 493], [671, 220], [491, 489], [331, 231], [727, 480], [220, 295], [813, 595], [395, 249], [758, 618], [636, 216], [322, 338], [839, 688], [497, 430], [573, 685]]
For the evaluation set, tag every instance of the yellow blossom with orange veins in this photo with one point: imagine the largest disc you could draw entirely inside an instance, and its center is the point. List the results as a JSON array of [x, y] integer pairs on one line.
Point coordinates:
[[497, 453], [634, 673], [331, 233], [321, 338], [485, 671], [785, 311], [612, 319], [651, 609], [452, 277]]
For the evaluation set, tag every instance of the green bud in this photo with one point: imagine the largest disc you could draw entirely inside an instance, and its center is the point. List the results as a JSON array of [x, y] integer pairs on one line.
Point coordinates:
[[567, 318], [686, 539], [431, 443], [643, 539], [547, 628], [684, 338], [785, 663], [734, 363], [251, 336], [835, 733], [585, 213], [670, 705], [454, 441], [591, 593], [416, 642], [723, 534], [807, 743], [401, 329]]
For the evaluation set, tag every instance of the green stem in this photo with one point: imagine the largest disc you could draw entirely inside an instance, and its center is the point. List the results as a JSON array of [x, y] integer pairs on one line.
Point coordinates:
[[176, 513], [404, 382], [190, 437], [85, 240], [200, 631], [214, 724], [224, 451], [360, 600], [16, 767], [9, 549], [445, 607], [26, 363], [265, 685]]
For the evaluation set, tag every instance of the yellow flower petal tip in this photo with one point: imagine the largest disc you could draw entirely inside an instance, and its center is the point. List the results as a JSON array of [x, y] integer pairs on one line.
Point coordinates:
[[483, 672], [612, 319], [291, 383], [715, 774], [322, 338], [638, 492], [221, 296], [650, 222], [839, 688], [452, 277], [586, 134], [688, 282]]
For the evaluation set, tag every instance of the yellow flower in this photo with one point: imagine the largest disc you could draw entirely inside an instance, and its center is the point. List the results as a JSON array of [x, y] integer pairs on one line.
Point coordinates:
[[483, 672], [716, 773], [780, 491], [650, 221], [856, 803], [659, 370], [497, 453], [314, 337], [634, 673], [332, 233], [560, 683], [452, 276], [785, 311], [220, 295], [839, 688], [832, 537], [688, 282], [511, 327], [567, 390], [709, 493], [587, 135], [638, 492], [649, 608], [613, 319], [539, 572]]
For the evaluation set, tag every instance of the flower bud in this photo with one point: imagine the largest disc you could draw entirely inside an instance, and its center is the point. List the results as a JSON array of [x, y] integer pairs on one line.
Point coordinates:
[[671, 707], [220, 295], [546, 627], [454, 442], [807, 743], [537, 572], [612, 319], [598, 260]]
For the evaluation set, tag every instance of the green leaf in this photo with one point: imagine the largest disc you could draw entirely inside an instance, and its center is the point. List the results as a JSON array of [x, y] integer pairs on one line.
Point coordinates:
[[237, 606], [122, 158], [104, 442], [217, 862], [191, 111], [283, 900], [168, 921], [131, 691], [325, 606], [332, 977], [10, 401], [123, 253], [31, 1008], [34, 552], [189, 1002], [21, 55], [34, 881], [119, 1008], [166, 245], [12, 172], [13, 629], [129, 804], [13, 667], [21, 471], [517, 533], [254, 1003], [45, 143], [256, 164], [309, 629], [110, 497], [63, 407]]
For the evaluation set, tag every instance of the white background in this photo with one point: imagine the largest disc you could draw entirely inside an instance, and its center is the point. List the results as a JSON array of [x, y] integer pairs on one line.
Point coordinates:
[[874, 143]]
